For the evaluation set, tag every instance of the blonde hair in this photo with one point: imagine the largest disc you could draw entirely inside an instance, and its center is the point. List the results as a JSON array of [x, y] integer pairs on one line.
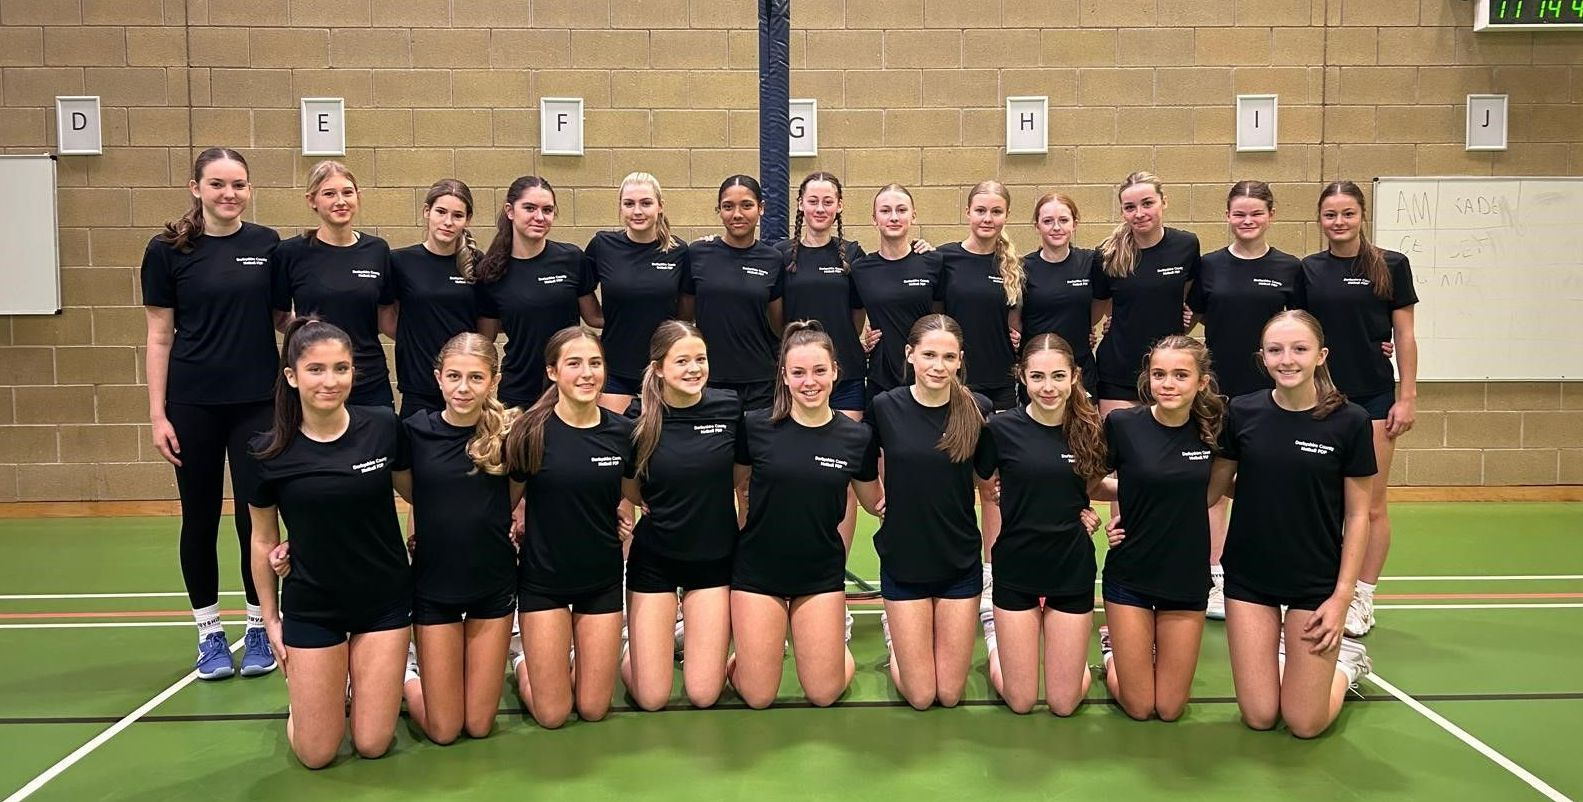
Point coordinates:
[[1057, 197], [662, 224], [1006, 259], [1119, 251], [320, 173], [488, 440], [1330, 399]]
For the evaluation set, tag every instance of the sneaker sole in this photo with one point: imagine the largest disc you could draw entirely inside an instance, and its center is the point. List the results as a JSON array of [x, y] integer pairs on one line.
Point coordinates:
[[259, 671], [226, 673]]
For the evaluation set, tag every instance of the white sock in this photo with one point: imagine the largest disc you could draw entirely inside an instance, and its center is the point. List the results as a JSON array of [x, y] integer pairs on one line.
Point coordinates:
[[1216, 571], [208, 619], [989, 574], [255, 617], [1365, 590]]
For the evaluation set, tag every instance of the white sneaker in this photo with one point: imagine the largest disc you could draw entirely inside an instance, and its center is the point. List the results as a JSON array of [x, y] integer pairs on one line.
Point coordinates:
[[1353, 661], [986, 600], [847, 638], [1216, 611], [412, 663], [990, 644], [514, 651], [1360, 615], [1104, 645], [884, 627], [680, 632]]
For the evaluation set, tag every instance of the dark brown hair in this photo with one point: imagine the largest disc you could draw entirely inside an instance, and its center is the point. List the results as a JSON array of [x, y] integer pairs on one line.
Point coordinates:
[[1209, 408], [1258, 190], [798, 333], [493, 266], [181, 232], [1371, 260], [302, 334], [964, 422], [524, 446], [1081, 423], [840, 235], [646, 435]]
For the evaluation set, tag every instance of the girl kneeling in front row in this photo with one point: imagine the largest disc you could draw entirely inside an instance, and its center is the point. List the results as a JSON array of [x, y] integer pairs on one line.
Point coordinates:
[[1298, 533]]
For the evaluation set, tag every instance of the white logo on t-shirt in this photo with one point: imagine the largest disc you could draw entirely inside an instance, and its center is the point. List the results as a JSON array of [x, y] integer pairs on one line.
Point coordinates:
[[830, 462], [663, 265], [830, 269], [1354, 281], [457, 279], [917, 282], [558, 278], [709, 428], [1070, 460], [370, 466], [1197, 456], [1172, 270], [1077, 282], [252, 261], [1268, 282], [606, 462], [360, 273], [755, 271], [1308, 447]]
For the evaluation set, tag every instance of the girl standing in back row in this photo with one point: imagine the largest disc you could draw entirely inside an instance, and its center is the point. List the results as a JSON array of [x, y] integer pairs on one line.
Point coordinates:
[[1057, 297], [211, 368], [436, 297], [343, 276], [1363, 296], [531, 287]]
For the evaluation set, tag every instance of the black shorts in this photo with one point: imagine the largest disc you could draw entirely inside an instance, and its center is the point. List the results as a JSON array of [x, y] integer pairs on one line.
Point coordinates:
[[753, 395], [1378, 405], [788, 594], [1001, 396], [849, 395], [648, 571], [429, 612], [1237, 591], [1116, 593], [320, 633], [1117, 392], [965, 585], [599, 601], [417, 403], [620, 385], [1017, 601]]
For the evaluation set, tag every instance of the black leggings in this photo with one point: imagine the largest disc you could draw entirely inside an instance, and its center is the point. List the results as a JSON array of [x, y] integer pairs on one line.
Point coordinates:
[[208, 433]]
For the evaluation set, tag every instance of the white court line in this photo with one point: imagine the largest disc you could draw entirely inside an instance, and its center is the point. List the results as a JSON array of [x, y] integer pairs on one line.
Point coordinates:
[[57, 596], [117, 625], [99, 740], [1462, 735]]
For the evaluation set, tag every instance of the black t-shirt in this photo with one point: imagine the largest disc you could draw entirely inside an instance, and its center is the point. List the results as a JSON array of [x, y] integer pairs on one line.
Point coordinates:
[[895, 293], [638, 288], [1163, 484], [339, 507], [224, 351], [1355, 321], [818, 289], [796, 498], [1057, 298], [1237, 297], [975, 295], [1146, 305], [343, 285], [688, 486], [1286, 527], [462, 517], [931, 533], [734, 288], [1043, 546], [534, 299], [571, 544], [437, 303]]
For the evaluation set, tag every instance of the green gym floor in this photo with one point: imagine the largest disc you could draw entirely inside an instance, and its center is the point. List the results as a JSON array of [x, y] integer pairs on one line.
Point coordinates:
[[1472, 698]]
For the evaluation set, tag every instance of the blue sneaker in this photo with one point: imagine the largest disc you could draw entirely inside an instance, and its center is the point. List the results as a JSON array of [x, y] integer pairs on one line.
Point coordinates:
[[214, 657], [257, 658]]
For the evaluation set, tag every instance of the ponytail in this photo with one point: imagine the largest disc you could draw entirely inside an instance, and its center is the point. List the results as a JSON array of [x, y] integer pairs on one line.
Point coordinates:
[[646, 434], [492, 267], [1007, 263], [798, 333], [1119, 251], [964, 421], [302, 333], [467, 249], [1080, 423], [1371, 260], [181, 232], [1329, 398]]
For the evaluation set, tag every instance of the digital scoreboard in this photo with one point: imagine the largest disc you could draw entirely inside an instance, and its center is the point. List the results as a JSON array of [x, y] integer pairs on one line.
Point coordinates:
[[1528, 15]]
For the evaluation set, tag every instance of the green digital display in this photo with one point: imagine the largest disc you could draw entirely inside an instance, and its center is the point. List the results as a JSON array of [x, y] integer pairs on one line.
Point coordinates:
[[1529, 14]]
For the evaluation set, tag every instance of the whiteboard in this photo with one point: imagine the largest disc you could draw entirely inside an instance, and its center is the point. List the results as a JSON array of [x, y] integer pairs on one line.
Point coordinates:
[[30, 254], [1498, 265]]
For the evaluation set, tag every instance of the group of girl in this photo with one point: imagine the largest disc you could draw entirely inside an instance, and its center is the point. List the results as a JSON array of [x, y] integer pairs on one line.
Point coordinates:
[[971, 370]]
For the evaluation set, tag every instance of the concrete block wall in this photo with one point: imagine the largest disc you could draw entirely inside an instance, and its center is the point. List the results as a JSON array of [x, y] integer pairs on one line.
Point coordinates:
[[908, 90]]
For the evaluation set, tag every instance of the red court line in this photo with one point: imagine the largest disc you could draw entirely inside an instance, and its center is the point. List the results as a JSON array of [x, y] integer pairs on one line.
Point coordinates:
[[863, 602]]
